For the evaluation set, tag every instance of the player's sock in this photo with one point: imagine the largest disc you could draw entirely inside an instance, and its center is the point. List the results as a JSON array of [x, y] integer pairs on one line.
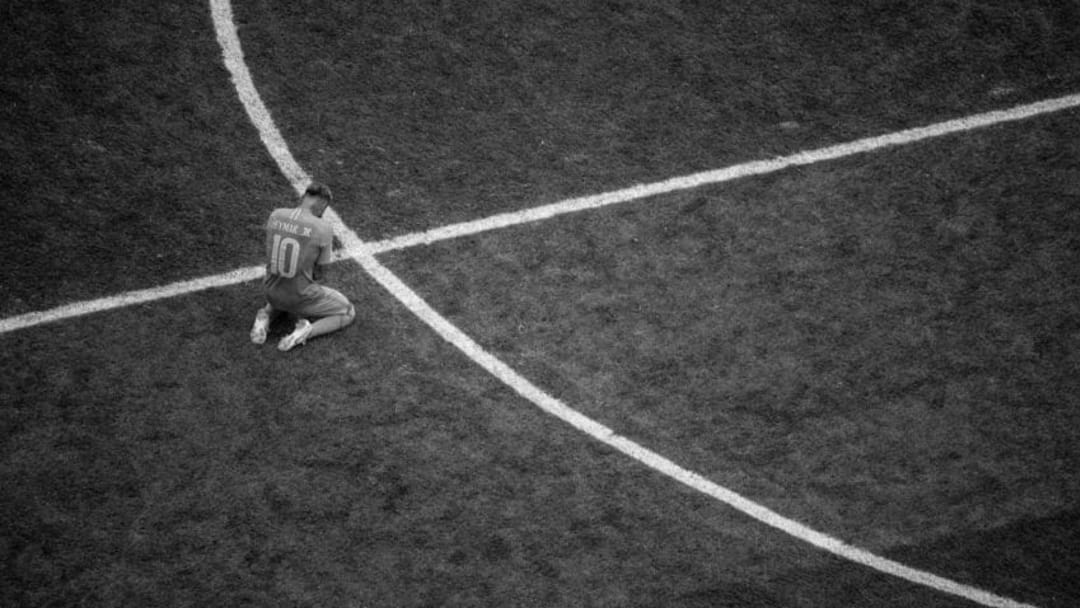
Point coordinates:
[[260, 326], [327, 325], [333, 323], [297, 337]]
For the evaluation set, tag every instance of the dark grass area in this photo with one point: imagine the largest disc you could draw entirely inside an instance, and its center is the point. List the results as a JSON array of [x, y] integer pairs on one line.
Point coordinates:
[[437, 112], [1000, 558], [355, 471], [125, 160], [1003, 557], [884, 347]]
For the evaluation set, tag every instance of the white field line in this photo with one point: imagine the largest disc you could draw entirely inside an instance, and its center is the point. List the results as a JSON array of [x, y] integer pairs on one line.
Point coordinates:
[[131, 298], [230, 43], [273, 140], [696, 180]]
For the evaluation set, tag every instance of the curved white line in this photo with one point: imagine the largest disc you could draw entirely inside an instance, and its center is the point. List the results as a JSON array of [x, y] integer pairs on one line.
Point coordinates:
[[230, 43]]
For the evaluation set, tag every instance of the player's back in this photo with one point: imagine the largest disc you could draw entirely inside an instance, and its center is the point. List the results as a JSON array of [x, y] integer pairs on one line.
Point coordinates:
[[296, 241]]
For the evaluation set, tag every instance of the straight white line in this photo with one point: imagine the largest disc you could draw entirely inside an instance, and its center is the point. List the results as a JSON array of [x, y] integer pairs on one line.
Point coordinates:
[[230, 43], [696, 180], [131, 298], [295, 174]]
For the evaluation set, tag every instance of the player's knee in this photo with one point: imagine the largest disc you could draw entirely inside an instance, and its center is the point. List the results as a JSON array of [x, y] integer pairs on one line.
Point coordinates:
[[350, 316]]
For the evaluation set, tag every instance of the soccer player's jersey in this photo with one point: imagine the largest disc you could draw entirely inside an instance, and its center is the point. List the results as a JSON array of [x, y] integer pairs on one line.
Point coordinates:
[[296, 240]]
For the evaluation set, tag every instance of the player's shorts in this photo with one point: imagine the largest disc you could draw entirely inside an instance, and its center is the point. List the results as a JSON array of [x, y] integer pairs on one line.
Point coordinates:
[[314, 301]]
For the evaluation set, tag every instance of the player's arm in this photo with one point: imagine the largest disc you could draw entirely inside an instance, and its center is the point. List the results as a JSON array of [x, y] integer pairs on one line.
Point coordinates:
[[322, 263]]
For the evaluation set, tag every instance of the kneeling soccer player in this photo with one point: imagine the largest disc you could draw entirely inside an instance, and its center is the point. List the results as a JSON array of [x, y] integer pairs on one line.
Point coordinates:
[[298, 244]]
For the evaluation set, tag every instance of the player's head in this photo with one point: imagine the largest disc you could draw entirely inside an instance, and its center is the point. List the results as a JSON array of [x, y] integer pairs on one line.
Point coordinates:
[[316, 198]]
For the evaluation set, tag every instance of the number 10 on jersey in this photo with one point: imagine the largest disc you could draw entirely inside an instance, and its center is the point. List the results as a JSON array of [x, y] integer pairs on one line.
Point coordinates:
[[284, 256]]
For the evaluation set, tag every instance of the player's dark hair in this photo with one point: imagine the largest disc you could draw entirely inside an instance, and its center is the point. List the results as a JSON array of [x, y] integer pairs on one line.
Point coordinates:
[[319, 191]]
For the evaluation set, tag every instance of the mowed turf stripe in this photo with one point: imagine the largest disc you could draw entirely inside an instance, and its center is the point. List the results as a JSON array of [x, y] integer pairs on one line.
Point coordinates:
[[696, 180], [131, 298], [363, 254]]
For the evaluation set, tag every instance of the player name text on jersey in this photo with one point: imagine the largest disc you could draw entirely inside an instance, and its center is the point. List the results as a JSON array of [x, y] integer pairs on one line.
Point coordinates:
[[291, 228]]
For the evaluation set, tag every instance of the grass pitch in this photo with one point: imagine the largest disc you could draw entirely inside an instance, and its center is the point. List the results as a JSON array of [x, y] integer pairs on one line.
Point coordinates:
[[883, 347]]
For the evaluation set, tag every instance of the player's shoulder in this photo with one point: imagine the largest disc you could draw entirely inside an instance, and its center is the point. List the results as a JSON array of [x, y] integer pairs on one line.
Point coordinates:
[[294, 216], [323, 226], [286, 211], [280, 213]]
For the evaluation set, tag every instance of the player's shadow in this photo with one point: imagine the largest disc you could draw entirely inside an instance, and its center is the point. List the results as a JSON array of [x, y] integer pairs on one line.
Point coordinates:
[[280, 326]]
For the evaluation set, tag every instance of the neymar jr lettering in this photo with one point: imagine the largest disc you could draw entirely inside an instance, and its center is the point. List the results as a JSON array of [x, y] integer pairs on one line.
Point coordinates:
[[290, 228]]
